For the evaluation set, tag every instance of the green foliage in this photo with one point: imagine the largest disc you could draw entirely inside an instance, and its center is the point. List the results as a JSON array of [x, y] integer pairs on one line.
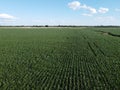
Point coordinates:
[[59, 59]]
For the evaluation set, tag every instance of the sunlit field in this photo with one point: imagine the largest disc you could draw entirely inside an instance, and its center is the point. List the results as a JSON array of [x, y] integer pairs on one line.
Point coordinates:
[[79, 58]]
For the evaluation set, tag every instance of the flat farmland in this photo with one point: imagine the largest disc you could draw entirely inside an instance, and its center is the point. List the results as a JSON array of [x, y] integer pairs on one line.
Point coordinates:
[[79, 58]]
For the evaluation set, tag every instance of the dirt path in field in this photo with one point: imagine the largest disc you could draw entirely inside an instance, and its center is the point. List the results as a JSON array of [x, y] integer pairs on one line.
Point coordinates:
[[109, 33]]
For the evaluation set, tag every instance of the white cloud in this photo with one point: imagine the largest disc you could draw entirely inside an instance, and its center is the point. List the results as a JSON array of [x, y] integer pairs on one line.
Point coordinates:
[[103, 10], [7, 18], [75, 5], [85, 14], [91, 9], [105, 20]]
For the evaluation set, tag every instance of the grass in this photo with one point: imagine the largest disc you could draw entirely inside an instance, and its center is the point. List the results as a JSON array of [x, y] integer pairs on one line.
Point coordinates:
[[59, 59]]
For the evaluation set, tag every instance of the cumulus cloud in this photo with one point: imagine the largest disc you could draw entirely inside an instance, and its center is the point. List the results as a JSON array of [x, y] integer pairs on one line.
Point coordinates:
[[103, 10], [85, 14], [91, 9], [75, 5], [107, 19], [7, 18]]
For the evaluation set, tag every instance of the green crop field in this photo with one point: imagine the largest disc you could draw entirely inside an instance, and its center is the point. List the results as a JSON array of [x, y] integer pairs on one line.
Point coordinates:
[[79, 58]]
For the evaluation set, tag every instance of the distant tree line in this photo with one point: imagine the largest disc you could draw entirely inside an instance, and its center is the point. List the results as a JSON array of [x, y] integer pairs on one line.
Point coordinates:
[[57, 26]]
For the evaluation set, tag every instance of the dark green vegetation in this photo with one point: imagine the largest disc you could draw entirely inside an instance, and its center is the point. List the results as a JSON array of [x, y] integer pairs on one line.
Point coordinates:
[[59, 59]]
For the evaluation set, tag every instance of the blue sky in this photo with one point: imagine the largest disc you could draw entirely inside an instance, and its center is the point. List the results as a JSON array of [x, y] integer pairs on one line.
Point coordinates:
[[63, 12]]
